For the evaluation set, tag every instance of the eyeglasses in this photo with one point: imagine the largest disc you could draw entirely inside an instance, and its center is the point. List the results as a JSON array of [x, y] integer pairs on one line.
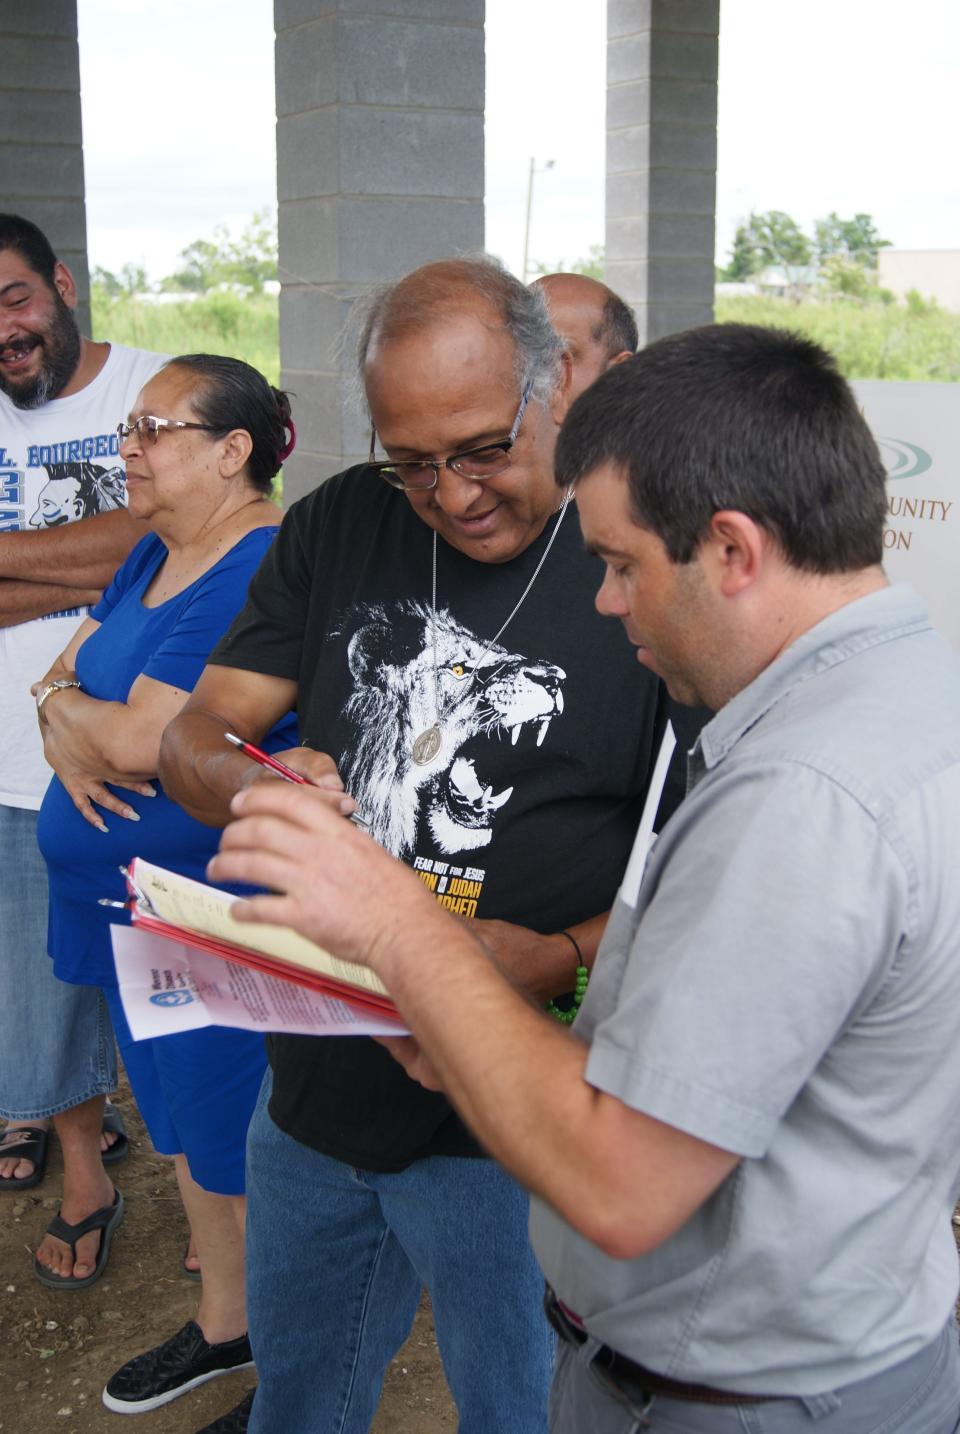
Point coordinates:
[[147, 428], [417, 475]]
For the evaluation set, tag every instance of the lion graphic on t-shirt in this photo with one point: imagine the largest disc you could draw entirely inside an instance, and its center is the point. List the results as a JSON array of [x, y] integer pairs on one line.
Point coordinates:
[[485, 695]]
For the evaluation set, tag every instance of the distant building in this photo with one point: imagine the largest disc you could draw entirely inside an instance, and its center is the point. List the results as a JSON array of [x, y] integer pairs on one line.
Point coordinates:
[[934, 273], [794, 281], [736, 289]]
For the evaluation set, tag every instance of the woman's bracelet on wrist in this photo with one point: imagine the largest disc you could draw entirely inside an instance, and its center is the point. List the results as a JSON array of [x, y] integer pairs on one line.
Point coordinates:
[[581, 979], [58, 685]]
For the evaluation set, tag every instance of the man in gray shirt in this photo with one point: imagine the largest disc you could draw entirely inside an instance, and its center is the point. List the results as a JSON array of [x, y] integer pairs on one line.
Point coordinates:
[[745, 1156]]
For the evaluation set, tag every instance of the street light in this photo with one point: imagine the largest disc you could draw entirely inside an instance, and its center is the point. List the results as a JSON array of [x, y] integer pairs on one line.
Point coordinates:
[[526, 230]]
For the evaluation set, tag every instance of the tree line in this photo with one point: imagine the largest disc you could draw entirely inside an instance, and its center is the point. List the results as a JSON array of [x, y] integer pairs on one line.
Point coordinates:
[[843, 250], [245, 262]]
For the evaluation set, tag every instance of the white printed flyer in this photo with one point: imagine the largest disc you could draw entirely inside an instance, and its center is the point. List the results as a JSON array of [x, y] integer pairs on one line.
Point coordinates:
[[167, 986]]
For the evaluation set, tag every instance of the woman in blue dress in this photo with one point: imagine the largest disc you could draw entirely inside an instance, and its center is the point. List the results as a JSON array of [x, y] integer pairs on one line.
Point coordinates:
[[202, 446]]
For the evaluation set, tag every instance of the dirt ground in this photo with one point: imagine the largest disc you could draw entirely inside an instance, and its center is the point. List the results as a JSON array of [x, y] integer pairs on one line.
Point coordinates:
[[57, 1349]]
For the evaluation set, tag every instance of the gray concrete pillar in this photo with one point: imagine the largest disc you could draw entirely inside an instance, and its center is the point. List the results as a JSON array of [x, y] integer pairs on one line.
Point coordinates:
[[41, 144], [662, 159], [379, 169]]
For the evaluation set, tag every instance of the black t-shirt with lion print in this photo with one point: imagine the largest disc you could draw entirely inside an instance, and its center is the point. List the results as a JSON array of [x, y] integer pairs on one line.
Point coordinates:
[[527, 813]]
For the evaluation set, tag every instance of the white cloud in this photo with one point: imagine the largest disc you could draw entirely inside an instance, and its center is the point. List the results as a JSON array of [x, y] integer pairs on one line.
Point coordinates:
[[178, 121], [846, 106]]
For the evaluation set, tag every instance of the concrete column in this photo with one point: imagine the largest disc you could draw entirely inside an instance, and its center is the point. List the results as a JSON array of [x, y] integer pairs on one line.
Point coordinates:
[[379, 169], [662, 159], [41, 145]]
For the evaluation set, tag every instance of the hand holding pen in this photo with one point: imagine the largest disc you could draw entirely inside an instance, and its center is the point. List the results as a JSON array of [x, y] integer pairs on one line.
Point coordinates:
[[280, 769]]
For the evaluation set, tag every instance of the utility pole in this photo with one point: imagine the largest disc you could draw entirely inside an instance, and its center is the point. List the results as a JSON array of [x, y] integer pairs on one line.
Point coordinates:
[[526, 228]]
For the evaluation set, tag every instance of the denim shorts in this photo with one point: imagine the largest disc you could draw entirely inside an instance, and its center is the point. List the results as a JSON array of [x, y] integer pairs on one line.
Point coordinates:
[[57, 1048], [196, 1092]]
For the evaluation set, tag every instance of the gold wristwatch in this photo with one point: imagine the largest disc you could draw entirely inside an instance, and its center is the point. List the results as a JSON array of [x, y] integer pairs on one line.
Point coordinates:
[[57, 685]]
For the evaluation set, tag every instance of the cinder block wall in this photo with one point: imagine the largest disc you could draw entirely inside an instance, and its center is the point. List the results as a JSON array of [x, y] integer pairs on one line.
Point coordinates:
[[379, 169], [662, 58], [41, 142]]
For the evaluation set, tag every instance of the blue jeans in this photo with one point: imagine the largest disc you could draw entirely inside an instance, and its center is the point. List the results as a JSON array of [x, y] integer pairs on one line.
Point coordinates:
[[919, 1396], [57, 1050], [336, 1258]]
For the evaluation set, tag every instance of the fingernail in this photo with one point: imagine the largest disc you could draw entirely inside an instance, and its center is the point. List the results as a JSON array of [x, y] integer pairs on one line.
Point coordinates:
[[332, 782], [149, 792], [131, 815], [101, 827]]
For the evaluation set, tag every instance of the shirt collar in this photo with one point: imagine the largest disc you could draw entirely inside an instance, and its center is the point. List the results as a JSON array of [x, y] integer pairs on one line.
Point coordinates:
[[879, 617]]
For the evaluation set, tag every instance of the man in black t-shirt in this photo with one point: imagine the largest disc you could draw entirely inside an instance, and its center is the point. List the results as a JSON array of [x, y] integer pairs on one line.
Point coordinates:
[[436, 633]]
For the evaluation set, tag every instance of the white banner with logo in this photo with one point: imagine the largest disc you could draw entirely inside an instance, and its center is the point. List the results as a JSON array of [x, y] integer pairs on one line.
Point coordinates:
[[917, 426]]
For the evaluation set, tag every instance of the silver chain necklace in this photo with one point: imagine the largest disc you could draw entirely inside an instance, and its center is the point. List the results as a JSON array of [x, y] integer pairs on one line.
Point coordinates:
[[427, 744]]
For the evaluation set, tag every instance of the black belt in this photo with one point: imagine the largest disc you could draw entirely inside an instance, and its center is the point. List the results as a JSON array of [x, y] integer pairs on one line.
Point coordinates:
[[646, 1382]]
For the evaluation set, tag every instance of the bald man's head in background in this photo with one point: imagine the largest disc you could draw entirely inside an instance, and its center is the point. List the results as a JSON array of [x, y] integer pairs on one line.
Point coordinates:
[[597, 327]]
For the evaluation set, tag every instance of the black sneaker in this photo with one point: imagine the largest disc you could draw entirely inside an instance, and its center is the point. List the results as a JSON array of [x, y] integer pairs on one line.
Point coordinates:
[[180, 1363], [236, 1421]]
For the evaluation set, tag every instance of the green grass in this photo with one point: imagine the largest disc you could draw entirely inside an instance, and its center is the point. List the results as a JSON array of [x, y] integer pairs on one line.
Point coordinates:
[[245, 328], [870, 340], [221, 323]]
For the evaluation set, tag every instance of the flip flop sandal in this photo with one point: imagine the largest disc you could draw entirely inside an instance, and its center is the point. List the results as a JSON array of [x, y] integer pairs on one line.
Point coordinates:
[[113, 1125], [31, 1144], [195, 1275], [105, 1220]]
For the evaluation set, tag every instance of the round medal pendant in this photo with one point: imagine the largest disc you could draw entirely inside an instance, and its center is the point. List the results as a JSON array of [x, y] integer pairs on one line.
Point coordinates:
[[426, 747]]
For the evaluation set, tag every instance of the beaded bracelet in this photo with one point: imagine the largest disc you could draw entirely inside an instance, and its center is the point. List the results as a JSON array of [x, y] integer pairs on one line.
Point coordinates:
[[567, 1017]]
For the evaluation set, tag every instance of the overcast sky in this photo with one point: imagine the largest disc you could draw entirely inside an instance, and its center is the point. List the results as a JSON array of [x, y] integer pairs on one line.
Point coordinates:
[[837, 104]]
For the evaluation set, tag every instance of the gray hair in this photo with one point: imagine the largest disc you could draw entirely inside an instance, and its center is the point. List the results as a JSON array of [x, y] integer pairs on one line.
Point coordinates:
[[416, 301]]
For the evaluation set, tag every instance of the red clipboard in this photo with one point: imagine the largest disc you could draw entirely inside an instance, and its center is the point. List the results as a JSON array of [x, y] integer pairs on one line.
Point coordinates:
[[352, 995]]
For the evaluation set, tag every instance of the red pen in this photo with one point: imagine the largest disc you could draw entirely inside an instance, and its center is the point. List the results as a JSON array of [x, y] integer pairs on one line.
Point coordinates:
[[263, 759]]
